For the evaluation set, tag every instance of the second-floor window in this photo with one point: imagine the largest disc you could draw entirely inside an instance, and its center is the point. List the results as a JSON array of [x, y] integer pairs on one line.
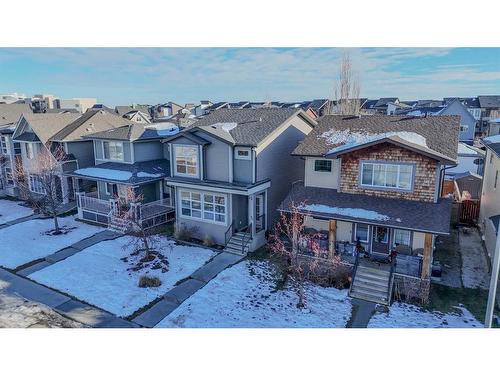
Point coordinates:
[[4, 145], [186, 161], [113, 150], [322, 166], [464, 128], [30, 153], [385, 175]]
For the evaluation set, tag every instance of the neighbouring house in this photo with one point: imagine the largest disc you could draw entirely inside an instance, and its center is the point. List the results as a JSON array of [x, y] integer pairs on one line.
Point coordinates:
[[12, 98], [490, 109], [493, 127], [374, 183], [381, 105], [80, 104], [201, 109], [137, 116], [165, 110], [489, 214], [122, 110], [392, 108], [231, 170], [470, 159], [368, 106], [127, 156], [10, 151]]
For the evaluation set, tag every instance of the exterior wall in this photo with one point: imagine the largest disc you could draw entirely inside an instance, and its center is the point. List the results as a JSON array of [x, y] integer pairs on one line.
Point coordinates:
[[457, 108], [144, 151], [490, 200], [28, 164], [322, 179], [216, 159], [418, 240], [80, 104], [239, 211], [101, 190], [425, 179], [242, 169], [83, 151], [466, 163], [275, 162], [150, 191]]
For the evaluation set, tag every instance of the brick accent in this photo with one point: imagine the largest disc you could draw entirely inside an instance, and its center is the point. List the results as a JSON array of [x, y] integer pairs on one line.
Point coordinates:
[[425, 174]]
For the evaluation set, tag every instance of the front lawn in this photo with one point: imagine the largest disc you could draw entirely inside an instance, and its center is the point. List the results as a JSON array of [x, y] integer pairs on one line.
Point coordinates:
[[246, 295], [12, 210], [100, 276], [24, 242]]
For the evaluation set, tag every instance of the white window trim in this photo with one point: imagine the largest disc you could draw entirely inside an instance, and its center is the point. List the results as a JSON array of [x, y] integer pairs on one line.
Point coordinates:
[[367, 233], [31, 186], [4, 145], [239, 157], [464, 128], [397, 188], [202, 208], [106, 184], [112, 159], [401, 230], [314, 166], [197, 174]]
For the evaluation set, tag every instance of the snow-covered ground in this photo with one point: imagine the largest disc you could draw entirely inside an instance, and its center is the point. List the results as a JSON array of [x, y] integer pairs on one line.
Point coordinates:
[[12, 210], [475, 269], [402, 315], [244, 296], [100, 277], [27, 241]]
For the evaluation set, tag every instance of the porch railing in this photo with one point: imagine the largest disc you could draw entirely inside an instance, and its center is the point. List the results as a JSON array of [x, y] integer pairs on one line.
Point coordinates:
[[94, 204], [228, 234], [247, 237], [152, 209]]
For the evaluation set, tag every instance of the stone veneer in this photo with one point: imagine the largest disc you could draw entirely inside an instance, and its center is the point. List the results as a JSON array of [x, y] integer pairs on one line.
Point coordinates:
[[424, 181]]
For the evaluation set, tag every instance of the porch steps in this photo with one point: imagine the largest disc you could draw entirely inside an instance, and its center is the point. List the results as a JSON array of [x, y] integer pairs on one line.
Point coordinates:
[[235, 244], [371, 284], [117, 224]]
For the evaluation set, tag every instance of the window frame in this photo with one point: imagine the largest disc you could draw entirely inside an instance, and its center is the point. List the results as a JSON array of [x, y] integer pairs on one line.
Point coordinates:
[[186, 196], [356, 231], [395, 230], [35, 187], [327, 161], [244, 149], [9, 176], [186, 164], [30, 151], [4, 145], [109, 149], [386, 164]]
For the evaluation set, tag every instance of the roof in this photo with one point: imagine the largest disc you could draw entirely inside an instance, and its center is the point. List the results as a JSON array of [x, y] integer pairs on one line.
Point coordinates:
[[46, 125], [489, 101], [134, 131], [493, 143], [369, 104], [398, 213], [467, 102], [88, 123], [382, 102], [468, 150], [130, 174], [437, 135], [10, 113], [248, 126], [28, 137], [466, 174], [217, 105], [124, 109]]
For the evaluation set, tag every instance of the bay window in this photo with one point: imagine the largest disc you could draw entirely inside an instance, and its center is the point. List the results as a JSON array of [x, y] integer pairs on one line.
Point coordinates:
[[386, 175], [113, 150], [203, 206], [186, 160]]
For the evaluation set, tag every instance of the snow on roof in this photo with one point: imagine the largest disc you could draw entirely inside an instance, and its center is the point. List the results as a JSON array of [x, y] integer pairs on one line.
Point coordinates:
[[345, 139], [226, 126], [492, 139], [465, 149], [164, 128], [149, 175], [109, 174], [351, 212]]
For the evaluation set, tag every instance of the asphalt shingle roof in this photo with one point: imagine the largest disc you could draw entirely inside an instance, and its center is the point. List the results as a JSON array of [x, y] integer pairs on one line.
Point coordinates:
[[401, 213], [489, 101], [45, 125], [133, 131], [493, 143], [10, 113], [440, 132]]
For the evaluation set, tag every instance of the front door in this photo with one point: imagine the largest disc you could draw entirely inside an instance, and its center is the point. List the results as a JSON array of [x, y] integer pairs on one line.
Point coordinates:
[[380, 240]]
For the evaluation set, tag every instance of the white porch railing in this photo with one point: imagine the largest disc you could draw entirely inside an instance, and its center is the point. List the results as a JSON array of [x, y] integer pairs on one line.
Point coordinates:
[[152, 209], [93, 204]]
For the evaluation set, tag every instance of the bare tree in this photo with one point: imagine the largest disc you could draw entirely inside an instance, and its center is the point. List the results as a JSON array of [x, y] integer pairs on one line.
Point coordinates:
[[287, 240], [347, 89]]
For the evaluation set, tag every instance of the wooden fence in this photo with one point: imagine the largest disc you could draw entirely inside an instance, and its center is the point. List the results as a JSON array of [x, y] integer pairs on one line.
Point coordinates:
[[469, 211]]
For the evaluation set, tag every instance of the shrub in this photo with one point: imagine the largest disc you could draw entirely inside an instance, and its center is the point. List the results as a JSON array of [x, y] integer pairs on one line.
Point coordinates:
[[208, 241], [184, 233], [149, 282]]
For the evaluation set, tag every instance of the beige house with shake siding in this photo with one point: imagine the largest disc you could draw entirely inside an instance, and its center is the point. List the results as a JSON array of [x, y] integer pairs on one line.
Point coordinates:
[[372, 185]]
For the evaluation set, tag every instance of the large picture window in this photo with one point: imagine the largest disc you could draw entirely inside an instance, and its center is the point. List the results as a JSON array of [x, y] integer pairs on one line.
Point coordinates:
[[113, 150], [203, 206], [186, 160], [385, 175], [36, 185]]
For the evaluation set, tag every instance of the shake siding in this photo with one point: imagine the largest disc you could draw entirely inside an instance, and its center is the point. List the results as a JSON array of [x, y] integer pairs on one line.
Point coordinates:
[[426, 172]]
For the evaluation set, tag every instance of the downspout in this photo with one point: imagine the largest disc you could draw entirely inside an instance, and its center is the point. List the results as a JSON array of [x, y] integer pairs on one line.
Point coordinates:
[[441, 187]]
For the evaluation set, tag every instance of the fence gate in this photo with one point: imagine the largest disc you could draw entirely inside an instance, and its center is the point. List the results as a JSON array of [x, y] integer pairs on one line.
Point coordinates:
[[469, 211]]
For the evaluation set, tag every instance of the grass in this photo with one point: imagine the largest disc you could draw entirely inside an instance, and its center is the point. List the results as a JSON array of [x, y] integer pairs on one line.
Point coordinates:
[[444, 299]]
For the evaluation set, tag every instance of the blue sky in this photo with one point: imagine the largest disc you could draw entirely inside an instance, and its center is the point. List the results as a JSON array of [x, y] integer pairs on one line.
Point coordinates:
[[152, 75]]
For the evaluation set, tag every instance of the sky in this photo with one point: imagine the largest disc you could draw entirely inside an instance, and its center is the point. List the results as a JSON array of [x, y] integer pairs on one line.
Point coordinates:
[[122, 76]]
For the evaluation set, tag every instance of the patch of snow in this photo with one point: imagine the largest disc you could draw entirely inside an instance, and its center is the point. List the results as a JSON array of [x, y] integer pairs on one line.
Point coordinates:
[[352, 212], [244, 296], [345, 139], [98, 276], [164, 128], [492, 139], [11, 210], [403, 315], [226, 126], [151, 175], [24, 242], [465, 149], [109, 174]]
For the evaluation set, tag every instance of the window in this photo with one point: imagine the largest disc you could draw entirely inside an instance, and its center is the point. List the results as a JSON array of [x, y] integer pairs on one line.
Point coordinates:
[[4, 145], [322, 166], [17, 148], [36, 185], [242, 153], [113, 150], [496, 180], [29, 150], [8, 176], [393, 176], [203, 206], [186, 160], [109, 188], [402, 237], [361, 232], [464, 128]]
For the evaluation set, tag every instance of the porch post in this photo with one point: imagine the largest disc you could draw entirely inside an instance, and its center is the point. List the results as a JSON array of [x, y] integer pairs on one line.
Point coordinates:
[[79, 197], [332, 237], [426, 262], [251, 214]]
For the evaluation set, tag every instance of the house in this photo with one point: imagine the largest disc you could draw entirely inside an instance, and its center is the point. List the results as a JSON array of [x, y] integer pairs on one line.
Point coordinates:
[[80, 104], [490, 109], [230, 171], [12, 98], [392, 108], [10, 151], [493, 127], [374, 182], [381, 105], [239, 105], [470, 159], [137, 116], [472, 105], [127, 156], [123, 110], [216, 106], [165, 110], [489, 213]]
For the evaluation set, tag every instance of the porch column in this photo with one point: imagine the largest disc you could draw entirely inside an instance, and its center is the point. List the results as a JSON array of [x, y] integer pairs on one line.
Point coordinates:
[[426, 262], [332, 237], [251, 212], [79, 197]]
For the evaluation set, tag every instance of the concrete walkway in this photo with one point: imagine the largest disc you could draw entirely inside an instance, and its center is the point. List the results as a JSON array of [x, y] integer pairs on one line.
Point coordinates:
[[362, 312], [62, 254], [61, 303], [21, 220], [174, 297]]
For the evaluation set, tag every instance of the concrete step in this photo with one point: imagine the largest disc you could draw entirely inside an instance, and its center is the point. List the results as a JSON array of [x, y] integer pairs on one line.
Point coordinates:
[[371, 279], [369, 290], [238, 249], [373, 271], [368, 285], [368, 297]]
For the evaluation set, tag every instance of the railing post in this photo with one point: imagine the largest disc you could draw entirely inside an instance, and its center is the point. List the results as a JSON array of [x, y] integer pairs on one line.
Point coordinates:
[[79, 196]]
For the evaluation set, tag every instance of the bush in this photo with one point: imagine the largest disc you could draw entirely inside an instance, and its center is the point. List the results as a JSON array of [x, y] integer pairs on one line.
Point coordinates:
[[184, 233], [149, 282], [208, 241]]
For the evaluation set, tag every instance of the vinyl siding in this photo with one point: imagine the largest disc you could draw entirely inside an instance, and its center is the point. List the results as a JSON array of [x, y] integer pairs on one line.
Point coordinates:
[[144, 151]]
